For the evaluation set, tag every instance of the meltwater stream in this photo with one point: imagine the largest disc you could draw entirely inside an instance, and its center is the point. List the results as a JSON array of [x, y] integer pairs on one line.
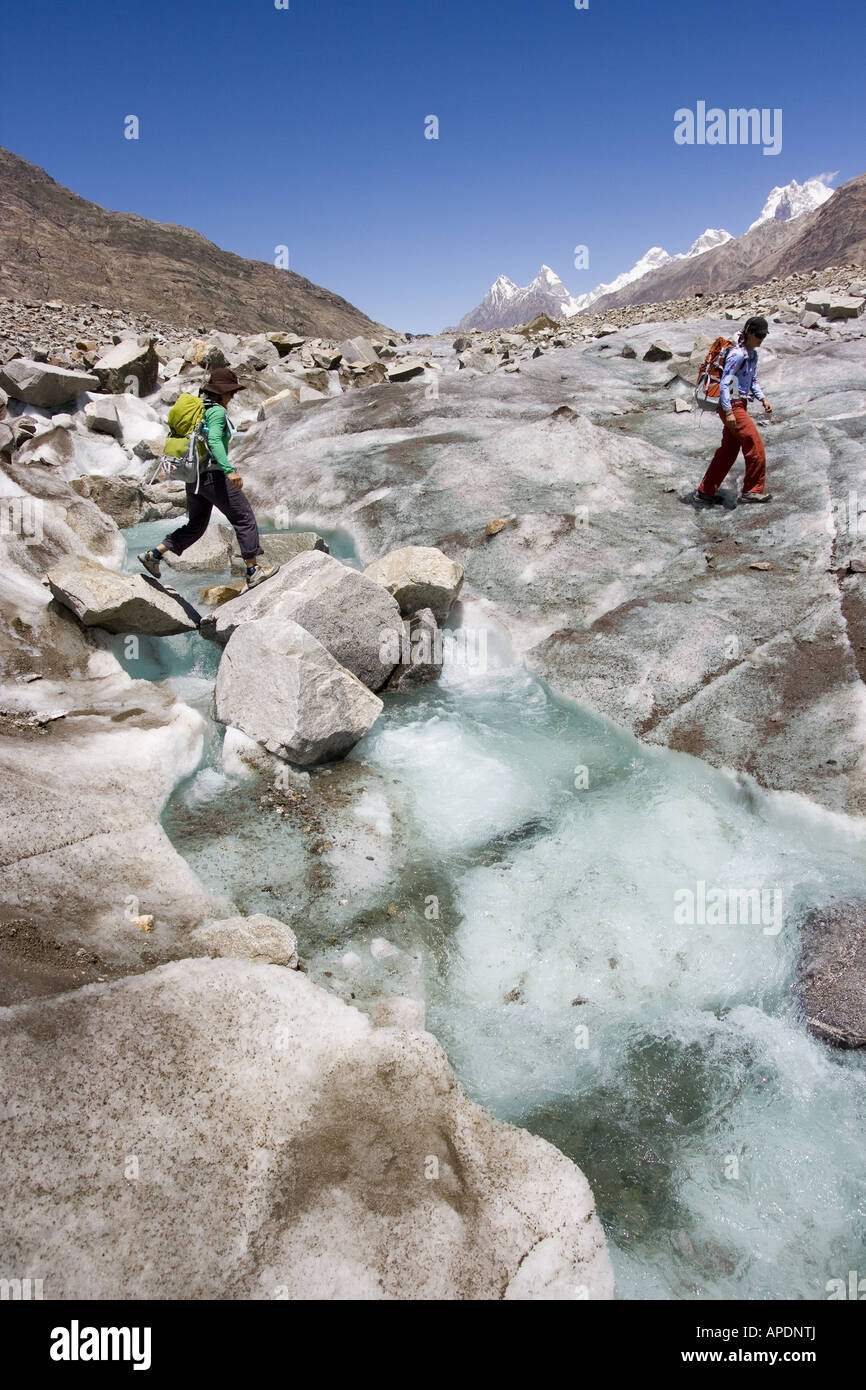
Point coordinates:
[[535, 864]]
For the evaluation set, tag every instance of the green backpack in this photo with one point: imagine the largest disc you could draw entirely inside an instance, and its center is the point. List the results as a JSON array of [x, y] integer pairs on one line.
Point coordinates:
[[186, 447]]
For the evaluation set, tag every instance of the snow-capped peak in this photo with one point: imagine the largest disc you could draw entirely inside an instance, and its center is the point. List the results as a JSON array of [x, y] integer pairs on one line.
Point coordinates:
[[794, 199], [708, 241], [653, 258]]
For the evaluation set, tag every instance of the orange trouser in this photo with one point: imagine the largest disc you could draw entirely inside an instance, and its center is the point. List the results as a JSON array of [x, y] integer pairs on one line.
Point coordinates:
[[745, 437]]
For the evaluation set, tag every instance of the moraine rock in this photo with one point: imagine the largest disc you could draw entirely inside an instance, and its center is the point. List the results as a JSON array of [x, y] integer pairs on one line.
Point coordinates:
[[485, 362], [350, 615], [629, 351], [810, 318], [843, 306], [101, 417], [278, 684], [258, 937], [7, 439], [125, 603], [38, 383], [405, 368], [128, 501], [832, 984], [327, 358], [419, 576], [658, 351], [281, 547], [256, 352], [358, 350], [282, 1142], [128, 363], [4, 401], [285, 342]]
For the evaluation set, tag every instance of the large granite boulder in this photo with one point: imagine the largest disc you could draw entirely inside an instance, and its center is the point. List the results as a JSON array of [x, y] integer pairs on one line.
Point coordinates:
[[127, 603], [278, 1146], [280, 686], [419, 576], [126, 363], [38, 383], [351, 616], [832, 984]]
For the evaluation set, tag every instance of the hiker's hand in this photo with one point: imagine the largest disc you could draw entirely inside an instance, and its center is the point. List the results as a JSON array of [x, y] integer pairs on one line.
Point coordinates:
[[236, 479], [767, 407], [731, 422]]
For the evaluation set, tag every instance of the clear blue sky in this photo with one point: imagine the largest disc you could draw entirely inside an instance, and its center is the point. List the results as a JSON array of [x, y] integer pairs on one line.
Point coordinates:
[[305, 127]]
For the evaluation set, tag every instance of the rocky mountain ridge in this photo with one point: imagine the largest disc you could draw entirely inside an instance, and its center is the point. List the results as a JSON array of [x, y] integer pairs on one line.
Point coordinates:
[[57, 245]]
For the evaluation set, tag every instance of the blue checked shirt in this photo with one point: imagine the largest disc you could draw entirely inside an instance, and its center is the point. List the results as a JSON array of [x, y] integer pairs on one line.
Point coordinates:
[[741, 366]]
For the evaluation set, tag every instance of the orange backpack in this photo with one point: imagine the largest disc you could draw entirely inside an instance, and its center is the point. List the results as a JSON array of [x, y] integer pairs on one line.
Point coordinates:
[[710, 375]]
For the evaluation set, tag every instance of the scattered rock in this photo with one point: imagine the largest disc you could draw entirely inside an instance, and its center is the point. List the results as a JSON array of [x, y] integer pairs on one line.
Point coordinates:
[[101, 417], [405, 368], [659, 351], [220, 593], [128, 366], [419, 576], [40, 384]]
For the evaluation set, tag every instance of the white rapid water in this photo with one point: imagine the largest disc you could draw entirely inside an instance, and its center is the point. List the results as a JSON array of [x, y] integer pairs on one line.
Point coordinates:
[[528, 859]]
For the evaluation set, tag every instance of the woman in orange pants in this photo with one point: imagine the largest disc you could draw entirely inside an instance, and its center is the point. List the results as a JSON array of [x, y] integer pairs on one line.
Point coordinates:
[[740, 377]]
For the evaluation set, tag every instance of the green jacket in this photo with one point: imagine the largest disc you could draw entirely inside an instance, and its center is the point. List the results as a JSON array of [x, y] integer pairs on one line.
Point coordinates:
[[218, 437]]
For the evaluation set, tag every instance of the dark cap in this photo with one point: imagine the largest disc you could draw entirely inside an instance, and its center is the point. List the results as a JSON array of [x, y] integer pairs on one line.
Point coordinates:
[[756, 324]]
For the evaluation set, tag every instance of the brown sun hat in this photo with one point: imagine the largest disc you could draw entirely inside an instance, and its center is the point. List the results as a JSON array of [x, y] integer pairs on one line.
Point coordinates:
[[222, 382]]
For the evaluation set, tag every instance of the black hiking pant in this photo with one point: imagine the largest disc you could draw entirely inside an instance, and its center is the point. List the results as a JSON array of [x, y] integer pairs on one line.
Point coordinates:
[[214, 490]]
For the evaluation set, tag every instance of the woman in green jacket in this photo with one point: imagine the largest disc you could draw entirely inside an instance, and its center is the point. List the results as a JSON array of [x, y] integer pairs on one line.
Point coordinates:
[[218, 486]]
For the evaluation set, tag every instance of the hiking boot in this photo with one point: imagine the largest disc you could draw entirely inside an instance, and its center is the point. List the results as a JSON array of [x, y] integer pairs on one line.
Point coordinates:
[[260, 574], [755, 497], [150, 559], [707, 499]]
